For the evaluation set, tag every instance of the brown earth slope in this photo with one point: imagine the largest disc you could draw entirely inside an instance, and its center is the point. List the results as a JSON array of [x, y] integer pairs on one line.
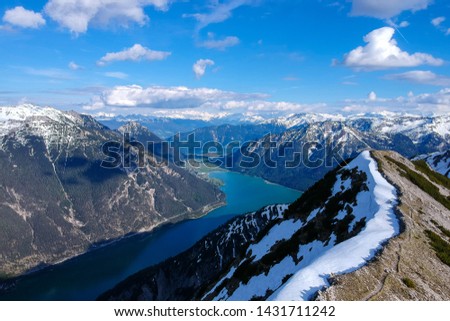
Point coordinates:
[[408, 268]]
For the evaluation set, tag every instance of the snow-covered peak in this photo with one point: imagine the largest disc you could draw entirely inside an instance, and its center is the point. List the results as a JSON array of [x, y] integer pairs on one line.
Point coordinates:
[[296, 120], [27, 111], [54, 126]]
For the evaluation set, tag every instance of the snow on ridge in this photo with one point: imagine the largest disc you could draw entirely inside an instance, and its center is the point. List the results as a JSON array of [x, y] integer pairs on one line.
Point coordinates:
[[439, 162], [12, 118], [282, 231], [321, 259], [26, 111], [353, 253]]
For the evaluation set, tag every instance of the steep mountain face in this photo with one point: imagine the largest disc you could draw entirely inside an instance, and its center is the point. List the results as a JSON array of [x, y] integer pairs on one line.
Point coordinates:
[[427, 133], [188, 275], [57, 201], [335, 227], [301, 156], [439, 162], [139, 132]]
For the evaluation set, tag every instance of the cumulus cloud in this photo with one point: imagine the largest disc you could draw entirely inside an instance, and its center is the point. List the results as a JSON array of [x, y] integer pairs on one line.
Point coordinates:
[[422, 77], [437, 21], [135, 96], [77, 16], [21, 17], [385, 9], [199, 67], [207, 102], [135, 53], [372, 96], [219, 44], [382, 52], [219, 12]]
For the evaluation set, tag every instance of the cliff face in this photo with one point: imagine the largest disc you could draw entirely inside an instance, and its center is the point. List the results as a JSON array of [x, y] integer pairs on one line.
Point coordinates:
[[57, 201], [409, 267]]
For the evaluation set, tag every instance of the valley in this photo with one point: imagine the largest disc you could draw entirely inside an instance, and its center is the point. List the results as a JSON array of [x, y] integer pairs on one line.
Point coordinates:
[[87, 276], [152, 221]]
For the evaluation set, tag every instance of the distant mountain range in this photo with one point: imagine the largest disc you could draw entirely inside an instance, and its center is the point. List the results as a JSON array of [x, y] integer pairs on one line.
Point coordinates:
[[354, 235], [57, 201], [383, 122], [329, 139], [313, 144]]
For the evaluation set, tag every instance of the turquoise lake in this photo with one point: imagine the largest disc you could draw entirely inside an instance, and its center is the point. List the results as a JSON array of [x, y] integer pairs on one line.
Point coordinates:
[[88, 275]]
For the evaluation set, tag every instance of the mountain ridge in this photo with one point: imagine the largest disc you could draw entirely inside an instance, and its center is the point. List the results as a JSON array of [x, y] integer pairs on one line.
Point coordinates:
[[258, 258], [57, 201]]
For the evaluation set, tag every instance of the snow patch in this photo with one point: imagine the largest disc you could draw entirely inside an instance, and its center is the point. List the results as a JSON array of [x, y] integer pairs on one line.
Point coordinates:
[[279, 232], [353, 253]]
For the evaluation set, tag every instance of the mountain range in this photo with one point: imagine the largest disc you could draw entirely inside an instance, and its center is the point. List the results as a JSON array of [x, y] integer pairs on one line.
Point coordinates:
[[58, 201], [298, 150], [351, 235]]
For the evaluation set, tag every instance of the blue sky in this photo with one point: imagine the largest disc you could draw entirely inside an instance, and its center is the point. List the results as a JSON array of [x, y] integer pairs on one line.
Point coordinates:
[[262, 57]]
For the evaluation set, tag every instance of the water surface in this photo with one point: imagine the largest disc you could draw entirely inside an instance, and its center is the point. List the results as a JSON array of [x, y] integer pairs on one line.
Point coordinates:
[[87, 276]]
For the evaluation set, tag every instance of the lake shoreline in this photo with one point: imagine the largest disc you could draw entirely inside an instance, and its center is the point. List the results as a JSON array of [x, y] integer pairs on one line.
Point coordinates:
[[85, 276], [7, 284]]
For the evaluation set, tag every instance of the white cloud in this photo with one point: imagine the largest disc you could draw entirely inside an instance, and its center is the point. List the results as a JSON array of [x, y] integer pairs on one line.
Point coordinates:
[[199, 67], [441, 99], [422, 77], [221, 44], [135, 96], [195, 103], [116, 74], [219, 12], [428, 103], [73, 66], [21, 17], [372, 96], [382, 52], [385, 9], [437, 21], [77, 16], [135, 53], [394, 24]]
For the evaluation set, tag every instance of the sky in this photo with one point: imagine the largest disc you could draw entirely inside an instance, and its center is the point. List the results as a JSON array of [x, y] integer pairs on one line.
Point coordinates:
[[209, 57]]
